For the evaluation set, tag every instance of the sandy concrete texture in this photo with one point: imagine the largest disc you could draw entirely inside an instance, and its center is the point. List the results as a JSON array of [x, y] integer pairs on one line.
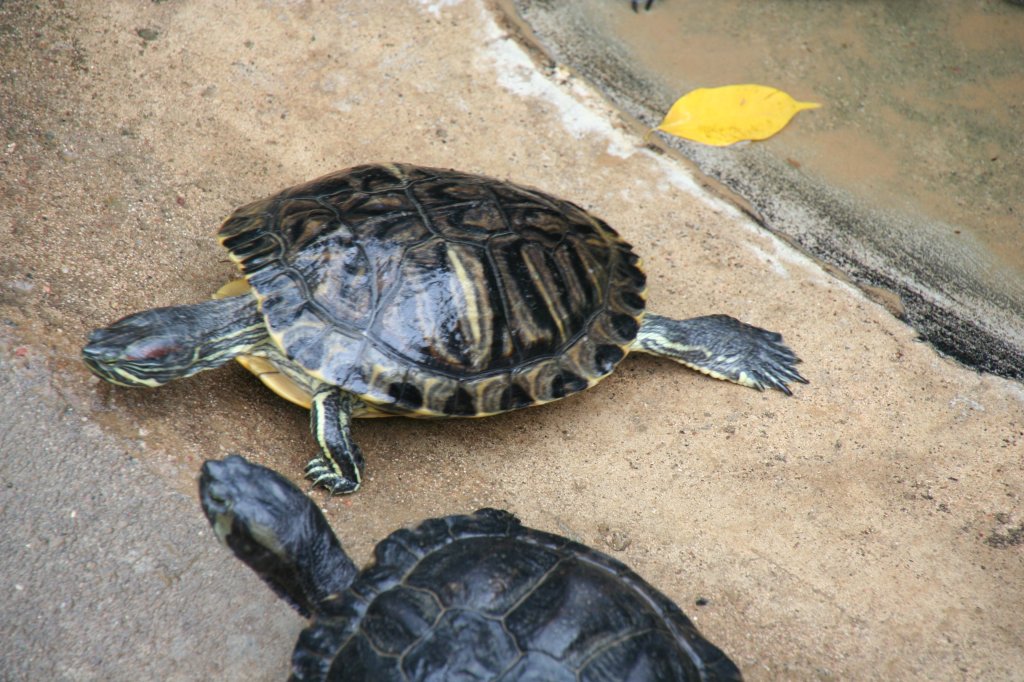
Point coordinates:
[[869, 527]]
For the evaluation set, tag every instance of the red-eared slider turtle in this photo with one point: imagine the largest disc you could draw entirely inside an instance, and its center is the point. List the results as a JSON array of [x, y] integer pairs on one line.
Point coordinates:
[[399, 290], [458, 598]]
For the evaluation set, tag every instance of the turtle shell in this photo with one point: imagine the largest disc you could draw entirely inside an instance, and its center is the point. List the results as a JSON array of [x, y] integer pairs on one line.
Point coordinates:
[[483, 597], [438, 293]]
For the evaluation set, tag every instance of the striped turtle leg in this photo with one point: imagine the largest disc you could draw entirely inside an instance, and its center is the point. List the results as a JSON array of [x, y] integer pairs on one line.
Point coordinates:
[[340, 464], [722, 347]]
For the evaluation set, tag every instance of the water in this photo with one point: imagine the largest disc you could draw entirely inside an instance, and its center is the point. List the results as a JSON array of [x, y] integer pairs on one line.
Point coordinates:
[[926, 99], [914, 166]]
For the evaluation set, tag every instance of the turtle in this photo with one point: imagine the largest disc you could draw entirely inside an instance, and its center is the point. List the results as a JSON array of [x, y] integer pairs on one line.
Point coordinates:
[[394, 289], [463, 597]]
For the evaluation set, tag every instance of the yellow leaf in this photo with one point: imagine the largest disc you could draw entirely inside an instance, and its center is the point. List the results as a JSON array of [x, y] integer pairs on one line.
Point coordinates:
[[723, 116]]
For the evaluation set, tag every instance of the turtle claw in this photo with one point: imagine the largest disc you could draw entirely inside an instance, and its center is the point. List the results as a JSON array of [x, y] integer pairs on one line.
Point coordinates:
[[774, 364], [775, 377], [320, 471], [636, 5]]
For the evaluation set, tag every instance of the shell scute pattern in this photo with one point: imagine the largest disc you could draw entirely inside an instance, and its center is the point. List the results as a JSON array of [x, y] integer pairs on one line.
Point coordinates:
[[437, 293], [418, 609], [521, 567], [478, 633], [302, 219]]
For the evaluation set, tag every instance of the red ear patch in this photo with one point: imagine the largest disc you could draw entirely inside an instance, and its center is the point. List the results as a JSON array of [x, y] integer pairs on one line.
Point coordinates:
[[153, 349]]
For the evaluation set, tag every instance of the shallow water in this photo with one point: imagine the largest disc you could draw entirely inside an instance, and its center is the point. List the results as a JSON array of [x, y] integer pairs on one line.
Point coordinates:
[[924, 101], [920, 137]]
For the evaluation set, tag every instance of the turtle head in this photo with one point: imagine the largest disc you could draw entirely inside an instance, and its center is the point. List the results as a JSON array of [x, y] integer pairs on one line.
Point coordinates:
[[277, 531], [144, 349], [155, 346]]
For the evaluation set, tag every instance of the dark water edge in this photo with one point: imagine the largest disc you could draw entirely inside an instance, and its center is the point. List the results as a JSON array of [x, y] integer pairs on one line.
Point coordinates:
[[946, 255]]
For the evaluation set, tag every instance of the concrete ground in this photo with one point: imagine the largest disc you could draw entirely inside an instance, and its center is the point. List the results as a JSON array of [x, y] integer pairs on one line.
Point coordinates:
[[869, 527]]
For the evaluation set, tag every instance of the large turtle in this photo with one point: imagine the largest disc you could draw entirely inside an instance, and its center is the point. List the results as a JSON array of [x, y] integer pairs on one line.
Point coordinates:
[[458, 598], [399, 290]]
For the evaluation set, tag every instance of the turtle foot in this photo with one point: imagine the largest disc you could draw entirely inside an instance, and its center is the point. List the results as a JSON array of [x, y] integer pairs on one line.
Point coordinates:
[[724, 348], [769, 363], [323, 473], [747, 355]]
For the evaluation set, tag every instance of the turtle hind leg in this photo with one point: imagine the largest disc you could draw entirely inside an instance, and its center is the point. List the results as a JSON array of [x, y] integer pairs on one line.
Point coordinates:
[[340, 464], [724, 348]]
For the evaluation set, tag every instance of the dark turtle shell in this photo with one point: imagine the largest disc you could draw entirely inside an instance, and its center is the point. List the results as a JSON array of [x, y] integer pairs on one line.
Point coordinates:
[[483, 597], [437, 293]]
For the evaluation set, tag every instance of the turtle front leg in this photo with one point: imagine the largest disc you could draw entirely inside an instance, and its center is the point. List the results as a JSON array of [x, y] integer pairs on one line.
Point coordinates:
[[340, 465], [722, 347]]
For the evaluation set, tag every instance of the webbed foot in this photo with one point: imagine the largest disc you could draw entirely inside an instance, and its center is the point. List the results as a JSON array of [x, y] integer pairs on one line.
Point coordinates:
[[724, 348]]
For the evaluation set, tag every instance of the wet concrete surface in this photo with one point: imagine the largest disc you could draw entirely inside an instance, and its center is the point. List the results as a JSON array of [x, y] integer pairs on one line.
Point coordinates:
[[868, 527], [908, 180]]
